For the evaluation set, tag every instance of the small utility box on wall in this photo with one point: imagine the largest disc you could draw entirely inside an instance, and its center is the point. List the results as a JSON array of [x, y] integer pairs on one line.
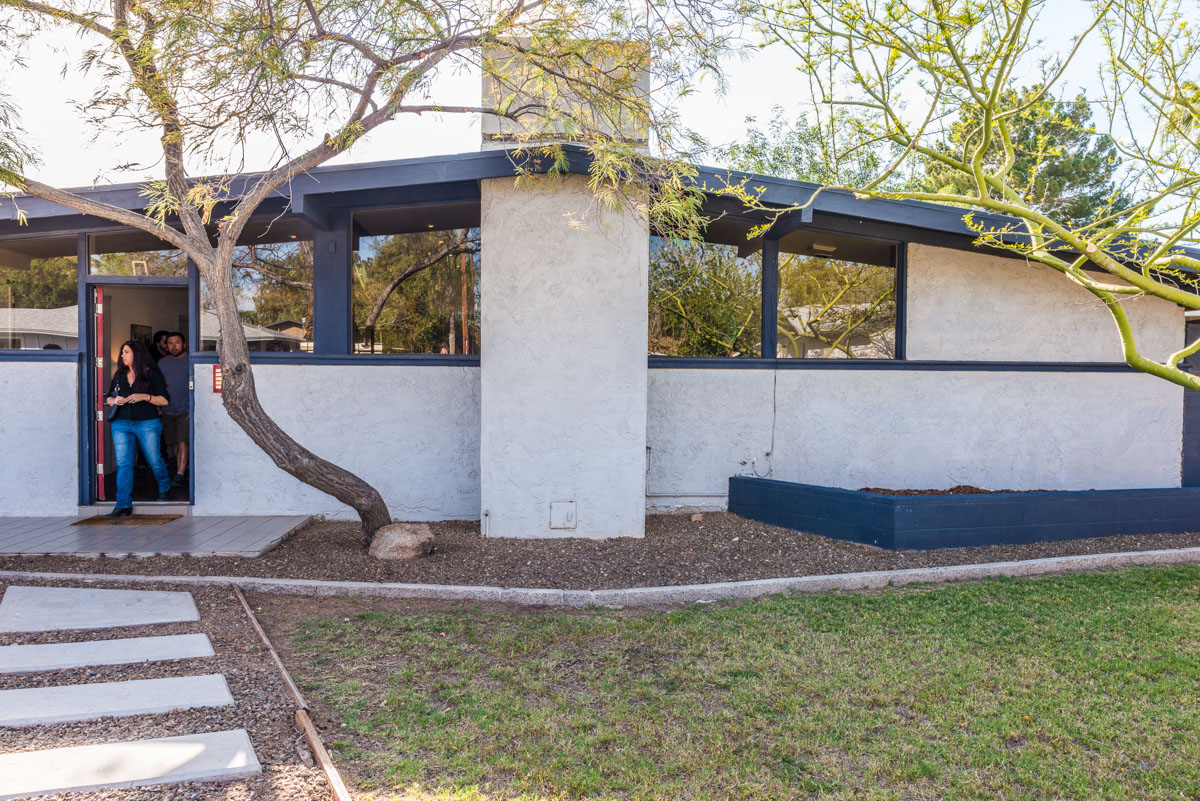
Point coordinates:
[[562, 514]]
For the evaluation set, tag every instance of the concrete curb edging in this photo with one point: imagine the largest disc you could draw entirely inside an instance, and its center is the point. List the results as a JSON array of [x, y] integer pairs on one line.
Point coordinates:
[[646, 596]]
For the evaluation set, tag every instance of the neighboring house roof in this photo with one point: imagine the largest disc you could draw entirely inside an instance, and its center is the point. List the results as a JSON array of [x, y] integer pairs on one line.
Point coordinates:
[[64, 322], [280, 325], [210, 326]]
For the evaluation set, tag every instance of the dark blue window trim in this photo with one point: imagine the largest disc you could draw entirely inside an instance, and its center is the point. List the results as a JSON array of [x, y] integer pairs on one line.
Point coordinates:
[[713, 363], [357, 359], [39, 355]]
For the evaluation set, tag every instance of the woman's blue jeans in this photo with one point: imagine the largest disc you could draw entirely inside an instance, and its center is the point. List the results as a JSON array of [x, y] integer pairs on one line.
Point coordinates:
[[127, 435]]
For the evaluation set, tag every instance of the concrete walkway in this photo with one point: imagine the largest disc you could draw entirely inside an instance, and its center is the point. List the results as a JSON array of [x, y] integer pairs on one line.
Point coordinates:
[[214, 535], [209, 756]]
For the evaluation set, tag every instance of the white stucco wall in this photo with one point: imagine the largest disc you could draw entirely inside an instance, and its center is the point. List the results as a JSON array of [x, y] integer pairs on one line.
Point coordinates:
[[909, 429], [971, 306], [39, 438], [563, 361], [703, 427], [412, 432]]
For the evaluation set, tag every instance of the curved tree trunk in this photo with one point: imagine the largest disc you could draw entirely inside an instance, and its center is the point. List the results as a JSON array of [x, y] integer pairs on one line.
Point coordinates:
[[240, 398]]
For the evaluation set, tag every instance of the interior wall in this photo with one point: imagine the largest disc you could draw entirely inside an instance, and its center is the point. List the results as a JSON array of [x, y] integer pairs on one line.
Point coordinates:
[[974, 306]]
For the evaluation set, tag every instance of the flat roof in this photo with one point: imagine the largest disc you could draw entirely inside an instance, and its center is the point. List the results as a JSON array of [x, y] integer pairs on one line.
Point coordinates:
[[314, 194], [315, 197]]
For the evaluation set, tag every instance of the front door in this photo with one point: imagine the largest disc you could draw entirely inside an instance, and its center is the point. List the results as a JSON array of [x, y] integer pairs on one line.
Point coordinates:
[[121, 312]]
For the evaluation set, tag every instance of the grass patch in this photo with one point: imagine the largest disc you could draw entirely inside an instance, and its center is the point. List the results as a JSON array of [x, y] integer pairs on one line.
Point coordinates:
[[1073, 687]]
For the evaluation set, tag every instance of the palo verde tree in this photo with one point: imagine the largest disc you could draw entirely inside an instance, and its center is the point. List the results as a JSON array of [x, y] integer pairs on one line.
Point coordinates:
[[942, 81], [316, 76]]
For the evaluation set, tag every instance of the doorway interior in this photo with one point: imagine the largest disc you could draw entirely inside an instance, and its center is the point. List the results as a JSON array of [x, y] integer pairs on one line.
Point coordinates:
[[121, 312]]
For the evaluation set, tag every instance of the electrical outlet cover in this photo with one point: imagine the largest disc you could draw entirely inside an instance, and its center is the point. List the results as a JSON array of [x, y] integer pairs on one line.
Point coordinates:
[[562, 514]]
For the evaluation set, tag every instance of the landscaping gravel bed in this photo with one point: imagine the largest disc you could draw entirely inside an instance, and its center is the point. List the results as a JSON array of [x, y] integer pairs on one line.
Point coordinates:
[[676, 550], [262, 706]]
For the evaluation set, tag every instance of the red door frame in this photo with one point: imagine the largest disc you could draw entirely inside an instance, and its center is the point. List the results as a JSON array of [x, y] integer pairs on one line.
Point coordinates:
[[101, 388]]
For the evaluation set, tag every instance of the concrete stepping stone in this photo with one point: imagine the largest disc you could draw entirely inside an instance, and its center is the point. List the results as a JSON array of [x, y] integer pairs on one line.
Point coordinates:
[[215, 756], [28, 609], [69, 702], [125, 651]]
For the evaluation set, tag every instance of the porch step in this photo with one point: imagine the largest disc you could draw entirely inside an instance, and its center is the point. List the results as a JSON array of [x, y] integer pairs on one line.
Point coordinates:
[[29, 609], [143, 508], [215, 756], [71, 702], [124, 651]]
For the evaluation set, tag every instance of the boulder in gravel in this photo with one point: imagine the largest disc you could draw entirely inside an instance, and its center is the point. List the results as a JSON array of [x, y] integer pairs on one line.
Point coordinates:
[[402, 541]]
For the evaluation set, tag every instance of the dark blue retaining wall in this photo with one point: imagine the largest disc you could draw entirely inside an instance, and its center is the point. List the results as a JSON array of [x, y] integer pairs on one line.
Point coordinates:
[[924, 522]]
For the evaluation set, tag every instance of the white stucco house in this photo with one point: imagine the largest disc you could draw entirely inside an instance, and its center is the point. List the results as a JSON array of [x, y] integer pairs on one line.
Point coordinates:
[[986, 370]]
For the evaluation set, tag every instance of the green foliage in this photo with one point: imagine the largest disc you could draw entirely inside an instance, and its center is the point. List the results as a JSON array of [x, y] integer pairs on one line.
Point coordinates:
[[1063, 167], [827, 152], [44, 284], [704, 300]]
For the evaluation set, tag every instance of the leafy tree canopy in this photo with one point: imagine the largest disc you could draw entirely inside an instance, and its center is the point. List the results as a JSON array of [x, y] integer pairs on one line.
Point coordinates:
[[1063, 166]]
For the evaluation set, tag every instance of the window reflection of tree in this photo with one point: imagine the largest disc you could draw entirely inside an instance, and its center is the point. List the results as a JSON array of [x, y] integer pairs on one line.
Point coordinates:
[[704, 299], [417, 293], [43, 284], [831, 308], [274, 283], [156, 263]]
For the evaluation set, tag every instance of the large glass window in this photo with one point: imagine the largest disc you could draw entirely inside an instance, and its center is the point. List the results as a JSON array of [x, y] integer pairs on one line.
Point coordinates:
[[38, 300], [837, 299], [417, 292], [705, 300], [273, 284]]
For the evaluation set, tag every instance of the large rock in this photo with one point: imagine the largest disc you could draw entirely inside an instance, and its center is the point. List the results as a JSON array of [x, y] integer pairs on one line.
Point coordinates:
[[402, 541]]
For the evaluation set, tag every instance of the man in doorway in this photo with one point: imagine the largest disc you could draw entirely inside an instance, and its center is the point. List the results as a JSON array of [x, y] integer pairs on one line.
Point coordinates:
[[176, 369], [160, 345]]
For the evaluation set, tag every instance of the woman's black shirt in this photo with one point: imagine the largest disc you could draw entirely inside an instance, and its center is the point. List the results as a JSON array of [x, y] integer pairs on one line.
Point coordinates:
[[139, 410]]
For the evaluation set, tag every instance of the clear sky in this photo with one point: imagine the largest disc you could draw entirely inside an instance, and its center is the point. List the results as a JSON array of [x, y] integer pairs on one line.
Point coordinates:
[[755, 85]]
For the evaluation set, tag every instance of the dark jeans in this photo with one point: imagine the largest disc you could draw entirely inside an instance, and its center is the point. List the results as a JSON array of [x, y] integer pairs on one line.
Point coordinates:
[[127, 436]]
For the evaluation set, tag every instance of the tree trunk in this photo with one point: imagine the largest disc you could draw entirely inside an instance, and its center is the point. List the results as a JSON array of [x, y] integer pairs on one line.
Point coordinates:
[[240, 398]]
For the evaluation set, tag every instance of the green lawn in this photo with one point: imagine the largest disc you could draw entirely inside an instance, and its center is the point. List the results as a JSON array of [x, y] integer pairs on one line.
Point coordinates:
[[1080, 687]]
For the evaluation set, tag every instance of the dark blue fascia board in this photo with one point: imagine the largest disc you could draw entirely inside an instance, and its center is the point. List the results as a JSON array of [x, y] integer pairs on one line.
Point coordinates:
[[321, 209], [313, 193]]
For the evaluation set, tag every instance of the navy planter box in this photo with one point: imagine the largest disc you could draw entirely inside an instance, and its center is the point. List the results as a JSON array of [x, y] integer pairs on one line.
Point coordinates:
[[925, 522]]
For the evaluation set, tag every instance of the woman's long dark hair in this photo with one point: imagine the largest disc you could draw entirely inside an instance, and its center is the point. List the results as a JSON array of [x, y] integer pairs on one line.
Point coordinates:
[[142, 365]]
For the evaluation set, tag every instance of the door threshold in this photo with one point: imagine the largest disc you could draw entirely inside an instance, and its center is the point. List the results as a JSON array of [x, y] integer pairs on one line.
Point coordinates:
[[140, 508]]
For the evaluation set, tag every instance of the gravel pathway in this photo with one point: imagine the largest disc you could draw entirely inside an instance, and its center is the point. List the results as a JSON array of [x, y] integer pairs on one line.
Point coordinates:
[[676, 550], [262, 707]]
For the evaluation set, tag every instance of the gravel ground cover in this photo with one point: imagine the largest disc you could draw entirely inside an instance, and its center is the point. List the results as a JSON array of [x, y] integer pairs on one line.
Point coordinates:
[[676, 550], [262, 706]]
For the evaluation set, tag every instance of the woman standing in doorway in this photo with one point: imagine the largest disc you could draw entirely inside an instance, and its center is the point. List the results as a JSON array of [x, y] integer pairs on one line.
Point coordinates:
[[137, 390]]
